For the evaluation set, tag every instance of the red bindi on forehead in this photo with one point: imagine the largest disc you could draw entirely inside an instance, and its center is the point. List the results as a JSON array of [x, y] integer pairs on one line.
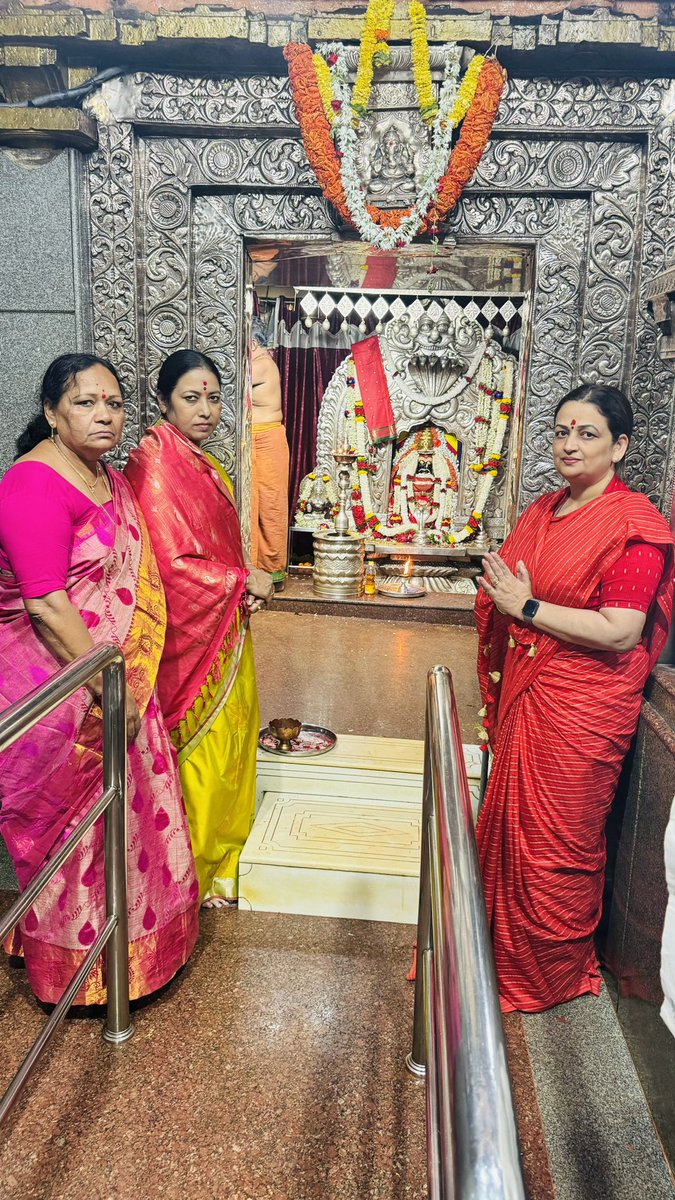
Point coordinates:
[[206, 384], [103, 395], [572, 423]]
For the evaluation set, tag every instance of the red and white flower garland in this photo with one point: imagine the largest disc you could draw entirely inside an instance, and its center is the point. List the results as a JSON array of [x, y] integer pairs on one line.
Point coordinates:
[[493, 411]]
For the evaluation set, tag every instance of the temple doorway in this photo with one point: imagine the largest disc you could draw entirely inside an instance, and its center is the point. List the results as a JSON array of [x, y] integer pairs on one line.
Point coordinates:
[[449, 325]]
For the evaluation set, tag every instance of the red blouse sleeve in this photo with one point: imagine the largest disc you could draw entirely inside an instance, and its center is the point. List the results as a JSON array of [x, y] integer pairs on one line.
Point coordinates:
[[37, 515], [633, 580]]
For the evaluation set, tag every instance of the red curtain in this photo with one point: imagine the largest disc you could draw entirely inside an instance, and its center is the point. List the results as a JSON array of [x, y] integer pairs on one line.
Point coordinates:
[[305, 375]]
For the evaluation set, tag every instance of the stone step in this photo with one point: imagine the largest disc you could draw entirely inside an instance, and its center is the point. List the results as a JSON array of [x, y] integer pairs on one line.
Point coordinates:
[[339, 834]]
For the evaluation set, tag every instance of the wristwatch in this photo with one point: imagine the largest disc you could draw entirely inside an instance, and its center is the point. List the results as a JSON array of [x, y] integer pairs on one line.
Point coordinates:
[[530, 609]]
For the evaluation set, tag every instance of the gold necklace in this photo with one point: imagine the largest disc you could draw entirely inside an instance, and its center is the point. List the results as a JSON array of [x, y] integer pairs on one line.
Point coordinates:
[[99, 473]]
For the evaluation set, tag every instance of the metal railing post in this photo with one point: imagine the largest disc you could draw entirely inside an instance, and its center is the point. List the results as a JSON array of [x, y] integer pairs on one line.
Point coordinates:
[[458, 1033], [118, 1025], [416, 1061], [17, 720]]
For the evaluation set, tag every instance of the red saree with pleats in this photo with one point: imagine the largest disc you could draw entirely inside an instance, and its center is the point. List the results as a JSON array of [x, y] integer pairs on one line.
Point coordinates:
[[560, 720]]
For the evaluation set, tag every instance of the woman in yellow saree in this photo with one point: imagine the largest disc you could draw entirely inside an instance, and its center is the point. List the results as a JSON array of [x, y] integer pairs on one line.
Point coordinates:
[[207, 675]]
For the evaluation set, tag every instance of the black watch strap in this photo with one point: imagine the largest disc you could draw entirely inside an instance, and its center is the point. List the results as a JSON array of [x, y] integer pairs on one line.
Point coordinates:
[[530, 609]]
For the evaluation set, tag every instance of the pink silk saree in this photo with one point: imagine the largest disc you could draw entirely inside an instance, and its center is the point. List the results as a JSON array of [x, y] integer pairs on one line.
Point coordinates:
[[52, 776]]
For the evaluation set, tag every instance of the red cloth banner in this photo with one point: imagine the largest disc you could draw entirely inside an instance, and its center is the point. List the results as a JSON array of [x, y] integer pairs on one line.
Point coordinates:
[[374, 390]]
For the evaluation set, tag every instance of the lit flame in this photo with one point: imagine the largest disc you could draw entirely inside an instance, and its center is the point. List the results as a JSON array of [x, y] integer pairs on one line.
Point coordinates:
[[407, 570]]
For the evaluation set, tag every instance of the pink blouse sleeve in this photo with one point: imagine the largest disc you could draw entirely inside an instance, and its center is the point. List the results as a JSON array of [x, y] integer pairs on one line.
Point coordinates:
[[37, 515]]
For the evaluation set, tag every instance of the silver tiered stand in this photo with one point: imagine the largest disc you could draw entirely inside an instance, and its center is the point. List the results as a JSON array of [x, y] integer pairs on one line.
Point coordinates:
[[338, 553]]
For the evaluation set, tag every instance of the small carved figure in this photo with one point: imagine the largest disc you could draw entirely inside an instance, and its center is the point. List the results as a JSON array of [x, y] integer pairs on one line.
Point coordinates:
[[392, 164]]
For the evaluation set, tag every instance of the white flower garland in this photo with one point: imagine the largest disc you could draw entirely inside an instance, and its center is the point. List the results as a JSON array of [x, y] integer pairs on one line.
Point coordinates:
[[347, 142], [493, 404], [489, 467]]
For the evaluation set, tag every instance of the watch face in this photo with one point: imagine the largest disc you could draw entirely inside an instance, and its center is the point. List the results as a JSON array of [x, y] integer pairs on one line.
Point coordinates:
[[530, 609]]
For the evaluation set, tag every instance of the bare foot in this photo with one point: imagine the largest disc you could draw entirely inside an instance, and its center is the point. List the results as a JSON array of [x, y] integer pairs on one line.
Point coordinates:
[[218, 902]]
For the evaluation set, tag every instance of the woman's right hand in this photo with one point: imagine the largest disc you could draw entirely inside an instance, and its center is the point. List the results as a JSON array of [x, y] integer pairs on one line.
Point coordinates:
[[133, 717], [259, 589]]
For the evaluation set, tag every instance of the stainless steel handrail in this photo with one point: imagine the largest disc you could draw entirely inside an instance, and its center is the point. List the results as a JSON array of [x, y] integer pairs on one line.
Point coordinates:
[[458, 1039], [114, 937]]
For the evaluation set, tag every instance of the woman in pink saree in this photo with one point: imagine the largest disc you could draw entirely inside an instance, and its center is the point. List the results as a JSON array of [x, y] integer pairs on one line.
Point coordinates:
[[77, 568]]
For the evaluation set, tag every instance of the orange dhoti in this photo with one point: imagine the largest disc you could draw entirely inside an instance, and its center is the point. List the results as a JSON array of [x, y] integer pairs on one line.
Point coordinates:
[[269, 500]]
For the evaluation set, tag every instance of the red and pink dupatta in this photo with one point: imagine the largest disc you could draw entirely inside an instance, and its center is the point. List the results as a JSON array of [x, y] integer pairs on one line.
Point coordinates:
[[195, 532]]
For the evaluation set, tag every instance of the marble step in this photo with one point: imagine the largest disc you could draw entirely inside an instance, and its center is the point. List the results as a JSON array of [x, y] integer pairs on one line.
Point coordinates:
[[339, 835]]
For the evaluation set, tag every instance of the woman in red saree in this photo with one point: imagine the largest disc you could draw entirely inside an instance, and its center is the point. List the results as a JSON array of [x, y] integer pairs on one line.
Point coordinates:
[[207, 681], [572, 616], [77, 568]]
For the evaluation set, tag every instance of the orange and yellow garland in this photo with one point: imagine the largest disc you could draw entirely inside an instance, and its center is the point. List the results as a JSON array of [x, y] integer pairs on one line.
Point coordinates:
[[314, 125], [312, 110], [473, 139]]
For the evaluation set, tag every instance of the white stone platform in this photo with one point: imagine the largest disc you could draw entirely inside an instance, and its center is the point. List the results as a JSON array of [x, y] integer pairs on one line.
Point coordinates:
[[339, 834]]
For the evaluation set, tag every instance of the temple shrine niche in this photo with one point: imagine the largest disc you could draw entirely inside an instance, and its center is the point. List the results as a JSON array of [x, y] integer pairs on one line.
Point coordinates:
[[450, 386], [447, 327]]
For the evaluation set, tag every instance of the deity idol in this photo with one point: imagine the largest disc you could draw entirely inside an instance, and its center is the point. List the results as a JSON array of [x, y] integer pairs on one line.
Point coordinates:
[[424, 480]]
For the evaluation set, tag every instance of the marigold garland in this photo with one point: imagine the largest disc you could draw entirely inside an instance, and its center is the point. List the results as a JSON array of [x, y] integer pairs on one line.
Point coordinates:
[[314, 125], [477, 103], [468, 89], [374, 52], [325, 86], [472, 141], [421, 63]]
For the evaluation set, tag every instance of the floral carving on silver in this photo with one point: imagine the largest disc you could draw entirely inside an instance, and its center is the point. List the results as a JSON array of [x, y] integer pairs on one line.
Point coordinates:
[[588, 318]]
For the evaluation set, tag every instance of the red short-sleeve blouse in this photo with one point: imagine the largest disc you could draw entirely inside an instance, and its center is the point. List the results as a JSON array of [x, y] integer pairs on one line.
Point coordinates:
[[633, 580]]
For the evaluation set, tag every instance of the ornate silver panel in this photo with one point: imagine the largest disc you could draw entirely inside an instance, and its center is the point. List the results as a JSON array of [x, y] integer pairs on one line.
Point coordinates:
[[595, 211], [558, 227], [219, 226], [581, 103], [113, 234], [256, 101]]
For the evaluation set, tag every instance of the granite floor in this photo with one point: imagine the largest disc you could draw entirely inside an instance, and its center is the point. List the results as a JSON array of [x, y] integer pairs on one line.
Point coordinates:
[[272, 1069], [273, 1066], [600, 1137], [354, 675]]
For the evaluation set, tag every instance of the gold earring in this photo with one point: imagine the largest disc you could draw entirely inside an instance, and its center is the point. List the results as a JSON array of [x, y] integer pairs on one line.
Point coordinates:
[[53, 432]]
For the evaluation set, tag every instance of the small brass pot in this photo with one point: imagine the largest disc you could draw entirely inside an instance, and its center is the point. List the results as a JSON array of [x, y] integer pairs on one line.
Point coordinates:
[[284, 730]]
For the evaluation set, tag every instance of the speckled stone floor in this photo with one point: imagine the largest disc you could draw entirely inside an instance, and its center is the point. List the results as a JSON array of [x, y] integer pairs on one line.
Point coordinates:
[[354, 675], [600, 1137], [272, 1069]]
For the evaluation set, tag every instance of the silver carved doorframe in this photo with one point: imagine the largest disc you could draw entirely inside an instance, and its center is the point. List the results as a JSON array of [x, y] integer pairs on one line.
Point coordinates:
[[187, 169]]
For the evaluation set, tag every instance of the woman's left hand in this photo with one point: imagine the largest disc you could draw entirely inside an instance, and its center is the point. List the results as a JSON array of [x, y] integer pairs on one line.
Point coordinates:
[[509, 591], [259, 589]]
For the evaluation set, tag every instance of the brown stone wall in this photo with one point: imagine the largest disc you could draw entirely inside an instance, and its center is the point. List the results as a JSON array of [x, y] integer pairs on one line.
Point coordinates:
[[643, 9]]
